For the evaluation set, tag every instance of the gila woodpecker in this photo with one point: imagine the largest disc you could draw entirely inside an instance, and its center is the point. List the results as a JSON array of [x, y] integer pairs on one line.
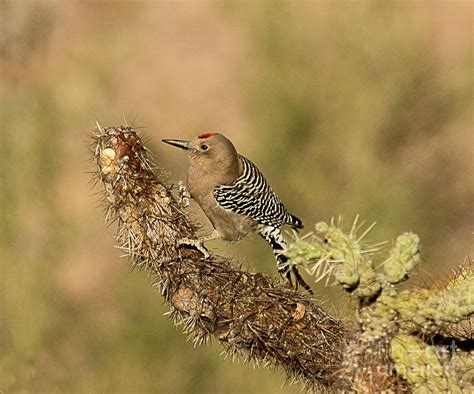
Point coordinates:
[[236, 198]]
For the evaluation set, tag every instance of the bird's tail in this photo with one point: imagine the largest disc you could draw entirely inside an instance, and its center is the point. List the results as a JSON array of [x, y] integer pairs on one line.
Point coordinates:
[[295, 222], [289, 271]]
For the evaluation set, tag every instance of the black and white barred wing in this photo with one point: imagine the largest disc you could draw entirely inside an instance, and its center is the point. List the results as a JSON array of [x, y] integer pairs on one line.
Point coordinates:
[[252, 196]]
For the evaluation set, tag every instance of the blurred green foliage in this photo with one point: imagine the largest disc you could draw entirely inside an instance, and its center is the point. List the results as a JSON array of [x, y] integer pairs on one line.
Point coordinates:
[[347, 107]]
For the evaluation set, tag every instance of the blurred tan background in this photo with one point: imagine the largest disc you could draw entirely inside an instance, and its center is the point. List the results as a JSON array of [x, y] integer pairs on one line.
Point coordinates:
[[347, 107]]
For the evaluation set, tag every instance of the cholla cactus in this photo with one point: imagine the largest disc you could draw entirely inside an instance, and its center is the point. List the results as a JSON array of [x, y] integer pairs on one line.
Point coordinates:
[[402, 334]]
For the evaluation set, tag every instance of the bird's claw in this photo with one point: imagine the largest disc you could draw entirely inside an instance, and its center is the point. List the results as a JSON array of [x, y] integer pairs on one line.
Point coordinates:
[[183, 194], [196, 244]]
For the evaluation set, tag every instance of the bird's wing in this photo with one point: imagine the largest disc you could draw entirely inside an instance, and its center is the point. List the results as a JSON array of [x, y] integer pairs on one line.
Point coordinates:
[[252, 196]]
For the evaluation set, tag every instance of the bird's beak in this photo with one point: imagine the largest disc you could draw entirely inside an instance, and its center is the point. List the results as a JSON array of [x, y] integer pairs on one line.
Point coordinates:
[[186, 145]]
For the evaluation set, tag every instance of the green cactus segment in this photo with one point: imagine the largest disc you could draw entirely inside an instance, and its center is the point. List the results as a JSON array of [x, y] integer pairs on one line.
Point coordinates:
[[463, 364], [429, 310], [352, 268], [421, 366], [459, 297], [403, 258], [304, 253]]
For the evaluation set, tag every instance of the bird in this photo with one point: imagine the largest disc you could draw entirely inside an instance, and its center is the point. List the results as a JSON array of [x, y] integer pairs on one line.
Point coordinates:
[[237, 199]]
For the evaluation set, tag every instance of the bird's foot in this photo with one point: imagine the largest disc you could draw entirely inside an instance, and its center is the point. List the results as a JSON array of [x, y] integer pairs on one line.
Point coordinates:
[[183, 195], [196, 244], [300, 281], [290, 272]]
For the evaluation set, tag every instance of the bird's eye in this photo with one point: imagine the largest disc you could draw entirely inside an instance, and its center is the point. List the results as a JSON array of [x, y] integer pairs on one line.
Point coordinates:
[[204, 147]]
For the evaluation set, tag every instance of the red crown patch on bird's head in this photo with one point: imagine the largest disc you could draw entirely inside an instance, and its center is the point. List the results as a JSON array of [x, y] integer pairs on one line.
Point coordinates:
[[206, 135]]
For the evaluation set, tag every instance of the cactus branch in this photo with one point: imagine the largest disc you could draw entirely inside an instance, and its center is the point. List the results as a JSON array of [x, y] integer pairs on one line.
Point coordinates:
[[249, 314]]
